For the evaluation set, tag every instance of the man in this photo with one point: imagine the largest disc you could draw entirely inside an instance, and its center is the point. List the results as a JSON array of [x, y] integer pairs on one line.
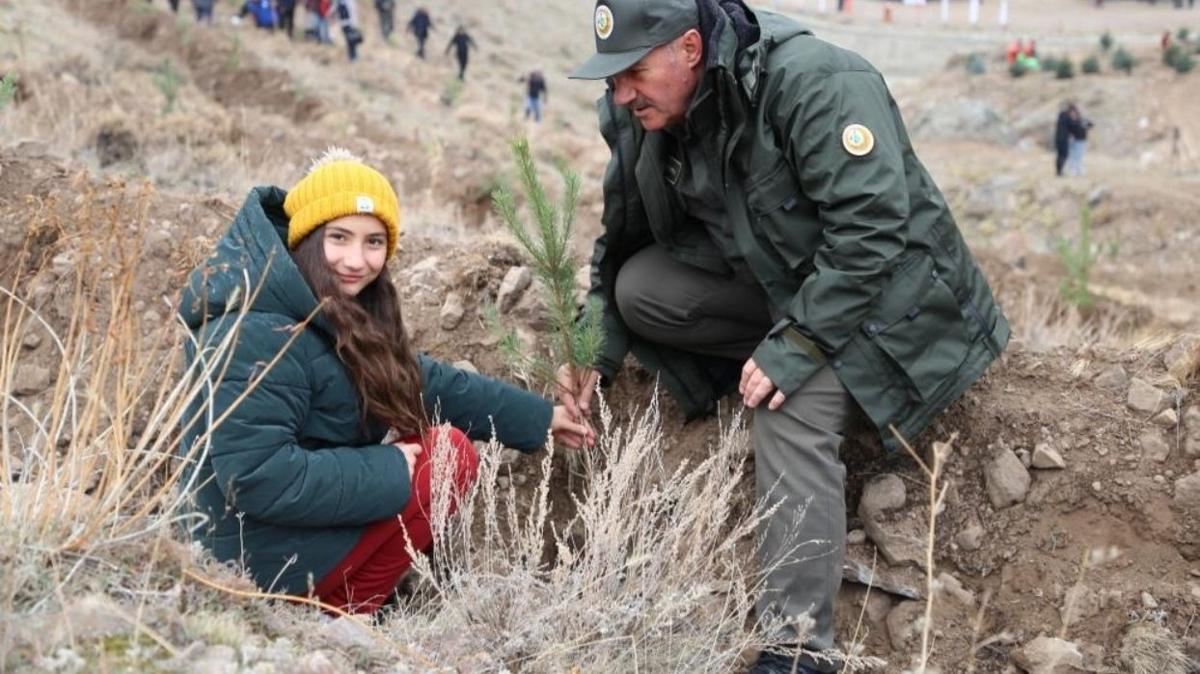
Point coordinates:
[[768, 227], [419, 25], [387, 18], [535, 94], [462, 44]]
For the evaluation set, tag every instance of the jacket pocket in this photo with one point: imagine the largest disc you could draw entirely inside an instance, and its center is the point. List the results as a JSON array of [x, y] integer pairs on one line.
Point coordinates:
[[919, 326], [778, 210]]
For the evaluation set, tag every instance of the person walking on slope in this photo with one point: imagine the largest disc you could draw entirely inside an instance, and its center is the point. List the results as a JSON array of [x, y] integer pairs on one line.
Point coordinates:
[[302, 481], [462, 44], [419, 25], [287, 16], [535, 95], [263, 12], [768, 229], [387, 18], [204, 10], [1077, 145], [347, 11], [1067, 128]]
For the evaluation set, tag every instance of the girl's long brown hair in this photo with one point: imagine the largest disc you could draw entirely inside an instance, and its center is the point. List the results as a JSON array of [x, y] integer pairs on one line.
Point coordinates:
[[371, 340]]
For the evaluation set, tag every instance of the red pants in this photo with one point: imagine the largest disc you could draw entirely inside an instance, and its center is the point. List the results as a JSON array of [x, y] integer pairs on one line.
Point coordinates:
[[362, 581]]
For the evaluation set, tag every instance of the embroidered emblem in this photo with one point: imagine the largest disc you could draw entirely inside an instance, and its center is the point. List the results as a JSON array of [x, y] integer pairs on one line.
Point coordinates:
[[604, 22], [858, 140], [365, 204]]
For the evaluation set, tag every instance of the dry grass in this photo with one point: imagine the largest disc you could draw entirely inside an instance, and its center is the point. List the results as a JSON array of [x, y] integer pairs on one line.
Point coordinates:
[[651, 574], [1153, 649]]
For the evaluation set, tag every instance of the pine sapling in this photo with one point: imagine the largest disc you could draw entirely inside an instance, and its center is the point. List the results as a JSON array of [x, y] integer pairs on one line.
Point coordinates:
[[574, 342]]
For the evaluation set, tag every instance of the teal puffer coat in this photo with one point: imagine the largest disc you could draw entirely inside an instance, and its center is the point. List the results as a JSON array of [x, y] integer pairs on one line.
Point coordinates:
[[291, 477]]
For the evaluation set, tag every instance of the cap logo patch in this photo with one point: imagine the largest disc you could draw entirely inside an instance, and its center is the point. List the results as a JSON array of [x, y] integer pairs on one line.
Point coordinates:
[[858, 140], [604, 22], [365, 204]]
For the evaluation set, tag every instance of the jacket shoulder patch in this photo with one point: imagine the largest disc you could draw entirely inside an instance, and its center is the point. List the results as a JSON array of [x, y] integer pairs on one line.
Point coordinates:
[[858, 140]]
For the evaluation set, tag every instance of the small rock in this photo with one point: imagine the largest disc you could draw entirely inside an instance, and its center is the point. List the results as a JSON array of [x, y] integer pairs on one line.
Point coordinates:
[[520, 479], [1187, 491], [1097, 486], [316, 663], [1148, 601], [466, 366], [30, 379], [856, 537], [1191, 447], [508, 456], [1048, 655], [502, 482], [954, 588], [901, 541], [516, 281], [1007, 480], [1160, 479], [1097, 196], [1113, 379], [882, 493], [1166, 419], [1154, 448], [1045, 456], [62, 264], [879, 605], [346, 633], [452, 311], [1024, 456], [1144, 397], [903, 623], [1181, 354], [1191, 418], [971, 537], [32, 340]]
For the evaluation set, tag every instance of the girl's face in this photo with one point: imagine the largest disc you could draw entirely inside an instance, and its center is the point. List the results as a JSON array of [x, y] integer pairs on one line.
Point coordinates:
[[356, 250]]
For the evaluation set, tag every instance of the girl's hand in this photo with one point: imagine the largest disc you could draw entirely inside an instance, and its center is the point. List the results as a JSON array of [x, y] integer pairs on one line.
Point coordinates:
[[570, 432], [410, 451]]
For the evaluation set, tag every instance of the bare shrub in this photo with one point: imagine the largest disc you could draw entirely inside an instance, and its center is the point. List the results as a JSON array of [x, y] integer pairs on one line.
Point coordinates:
[[1152, 649], [89, 477], [655, 574]]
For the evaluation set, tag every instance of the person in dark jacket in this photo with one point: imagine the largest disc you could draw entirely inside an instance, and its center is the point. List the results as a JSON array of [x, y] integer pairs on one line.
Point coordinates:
[[535, 95], [287, 16], [462, 44], [419, 25], [387, 18], [768, 229], [319, 470], [1069, 128]]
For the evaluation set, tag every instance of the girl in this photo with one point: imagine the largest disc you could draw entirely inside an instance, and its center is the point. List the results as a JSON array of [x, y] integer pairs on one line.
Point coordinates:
[[297, 482]]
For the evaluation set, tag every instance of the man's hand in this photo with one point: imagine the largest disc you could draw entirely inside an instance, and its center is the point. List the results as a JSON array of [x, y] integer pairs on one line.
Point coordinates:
[[575, 390], [569, 432], [756, 386]]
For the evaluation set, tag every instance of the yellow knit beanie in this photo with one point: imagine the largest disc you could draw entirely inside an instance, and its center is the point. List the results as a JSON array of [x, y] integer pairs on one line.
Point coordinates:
[[341, 184]]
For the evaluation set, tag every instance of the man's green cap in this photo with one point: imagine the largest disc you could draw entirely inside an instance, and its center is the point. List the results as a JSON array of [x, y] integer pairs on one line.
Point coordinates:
[[626, 30]]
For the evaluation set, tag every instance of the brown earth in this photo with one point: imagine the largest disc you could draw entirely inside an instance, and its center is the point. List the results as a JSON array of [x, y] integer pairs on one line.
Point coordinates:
[[253, 108]]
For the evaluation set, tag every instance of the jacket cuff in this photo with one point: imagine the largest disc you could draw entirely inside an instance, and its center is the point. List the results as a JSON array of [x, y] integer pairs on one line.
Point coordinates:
[[788, 358]]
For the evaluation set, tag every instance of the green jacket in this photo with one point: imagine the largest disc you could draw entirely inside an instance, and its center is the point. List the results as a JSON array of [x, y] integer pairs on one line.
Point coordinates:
[[858, 254], [292, 473]]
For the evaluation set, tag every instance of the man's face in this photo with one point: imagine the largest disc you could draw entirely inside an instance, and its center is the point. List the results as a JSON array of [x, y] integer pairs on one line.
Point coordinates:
[[659, 88]]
